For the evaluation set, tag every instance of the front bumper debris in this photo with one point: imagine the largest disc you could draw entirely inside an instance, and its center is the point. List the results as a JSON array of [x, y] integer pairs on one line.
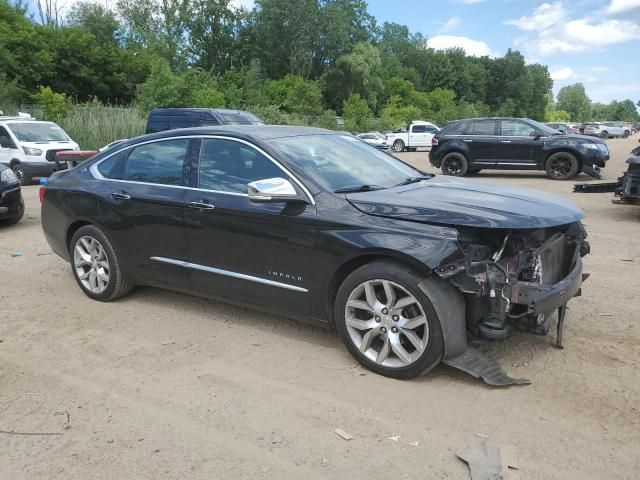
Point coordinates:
[[479, 365]]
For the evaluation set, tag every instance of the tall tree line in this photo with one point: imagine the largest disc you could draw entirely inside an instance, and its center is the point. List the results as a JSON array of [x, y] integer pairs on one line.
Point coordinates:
[[309, 57]]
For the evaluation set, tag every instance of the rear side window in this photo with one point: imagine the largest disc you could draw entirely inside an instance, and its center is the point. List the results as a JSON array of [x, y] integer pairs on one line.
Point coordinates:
[[418, 129], [227, 166], [113, 167], [480, 128], [454, 129], [158, 162]]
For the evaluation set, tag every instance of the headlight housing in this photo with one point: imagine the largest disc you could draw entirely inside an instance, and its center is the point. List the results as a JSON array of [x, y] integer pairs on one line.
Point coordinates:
[[592, 146], [36, 152], [7, 176]]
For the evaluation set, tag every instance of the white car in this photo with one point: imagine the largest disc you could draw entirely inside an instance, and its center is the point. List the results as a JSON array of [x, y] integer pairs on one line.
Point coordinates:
[[419, 135], [29, 146], [607, 130], [374, 139]]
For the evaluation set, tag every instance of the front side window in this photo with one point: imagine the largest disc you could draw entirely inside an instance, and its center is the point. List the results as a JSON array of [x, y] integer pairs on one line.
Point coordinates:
[[516, 129], [158, 162], [228, 166]]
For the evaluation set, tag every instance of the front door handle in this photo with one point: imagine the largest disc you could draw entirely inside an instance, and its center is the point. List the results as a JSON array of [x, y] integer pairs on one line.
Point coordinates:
[[201, 205], [120, 196], [468, 140], [505, 141]]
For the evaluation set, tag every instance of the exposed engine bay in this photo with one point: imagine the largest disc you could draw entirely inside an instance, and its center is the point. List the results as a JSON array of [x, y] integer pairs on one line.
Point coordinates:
[[518, 278]]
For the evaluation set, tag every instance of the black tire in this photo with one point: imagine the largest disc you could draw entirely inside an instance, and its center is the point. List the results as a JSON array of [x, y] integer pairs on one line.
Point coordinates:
[[22, 176], [626, 134], [17, 218], [407, 279], [604, 135], [398, 146], [454, 164], [119, 283], [562, 166]]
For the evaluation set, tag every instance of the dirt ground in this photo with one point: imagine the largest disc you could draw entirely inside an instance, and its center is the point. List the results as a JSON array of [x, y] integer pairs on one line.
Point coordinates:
[[160, 385]]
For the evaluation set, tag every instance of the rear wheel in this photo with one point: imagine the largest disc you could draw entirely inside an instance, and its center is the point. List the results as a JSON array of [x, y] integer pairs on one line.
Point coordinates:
[[562, 166], [96, 266], [454, 164], [387, 323], [625, 134], [398, 146], [604, 135]]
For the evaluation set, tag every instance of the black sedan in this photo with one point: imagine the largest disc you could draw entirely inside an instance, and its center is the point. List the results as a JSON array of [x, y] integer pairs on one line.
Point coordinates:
[[11, 203], [469, 146], [319, 226]]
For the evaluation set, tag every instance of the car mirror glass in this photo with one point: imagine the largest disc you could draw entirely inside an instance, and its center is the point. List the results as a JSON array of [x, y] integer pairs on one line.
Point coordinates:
[[272, 190]]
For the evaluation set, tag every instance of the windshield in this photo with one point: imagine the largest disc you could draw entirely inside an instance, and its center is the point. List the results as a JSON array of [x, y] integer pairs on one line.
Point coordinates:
[[544, 128], [240, 118], [341, 161], [38, 132]]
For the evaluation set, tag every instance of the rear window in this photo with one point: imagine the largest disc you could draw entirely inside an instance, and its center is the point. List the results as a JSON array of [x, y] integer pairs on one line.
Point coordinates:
[[480, 128]]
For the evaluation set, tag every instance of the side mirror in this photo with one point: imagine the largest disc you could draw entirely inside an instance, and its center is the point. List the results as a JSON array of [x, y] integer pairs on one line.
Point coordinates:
[[272, 190], [5, 142]]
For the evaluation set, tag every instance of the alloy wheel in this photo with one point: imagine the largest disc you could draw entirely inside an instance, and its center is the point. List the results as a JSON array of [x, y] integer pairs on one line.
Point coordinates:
[[452, 166], [386, 323], [560, 166], [19, 174], [91, 264], [398, 146]]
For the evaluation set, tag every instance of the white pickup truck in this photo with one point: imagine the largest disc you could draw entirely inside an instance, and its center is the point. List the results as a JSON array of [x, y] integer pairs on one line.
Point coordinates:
[[419, 134]]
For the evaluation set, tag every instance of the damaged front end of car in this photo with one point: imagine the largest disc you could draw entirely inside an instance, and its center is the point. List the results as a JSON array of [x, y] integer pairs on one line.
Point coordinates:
[[514, 279], [517, 279]]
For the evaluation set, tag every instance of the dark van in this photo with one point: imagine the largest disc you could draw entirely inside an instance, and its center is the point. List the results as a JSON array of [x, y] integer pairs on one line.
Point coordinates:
[[162, 119]]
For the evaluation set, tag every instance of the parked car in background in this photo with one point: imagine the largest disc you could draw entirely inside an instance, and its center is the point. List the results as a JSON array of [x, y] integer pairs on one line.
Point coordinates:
[[469, 146], [29, 147], [607, 130], [375, 139], [162, 119], [11, 202], [419, 134], [561, 127], [315, 225]]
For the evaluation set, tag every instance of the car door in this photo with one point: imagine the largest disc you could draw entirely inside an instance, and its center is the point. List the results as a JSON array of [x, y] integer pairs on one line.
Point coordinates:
[[418, 136], [518, 145], [142, 202], [254, 253], [480, 138]]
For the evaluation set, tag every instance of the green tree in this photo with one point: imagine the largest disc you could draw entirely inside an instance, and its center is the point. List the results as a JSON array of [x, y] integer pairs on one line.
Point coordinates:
[[357, 114], [56, 106], [574, 99]]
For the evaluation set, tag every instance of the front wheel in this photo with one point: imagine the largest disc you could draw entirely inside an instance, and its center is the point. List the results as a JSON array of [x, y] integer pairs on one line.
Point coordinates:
[[625, 134], [398, 146], [454, 164], [562, 166], [22, 176], [387, 323], [96, 266], [604, 135]]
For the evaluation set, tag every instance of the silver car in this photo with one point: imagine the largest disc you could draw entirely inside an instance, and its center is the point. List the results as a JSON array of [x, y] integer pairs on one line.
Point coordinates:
[[607, 130]]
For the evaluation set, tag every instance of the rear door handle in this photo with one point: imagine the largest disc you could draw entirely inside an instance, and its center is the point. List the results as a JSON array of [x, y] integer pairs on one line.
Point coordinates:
[[120, 196], [201, 205], [467, 140], [505, 141]]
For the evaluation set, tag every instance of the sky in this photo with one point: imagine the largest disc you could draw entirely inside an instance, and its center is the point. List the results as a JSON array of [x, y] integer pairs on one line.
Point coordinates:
[[595, 42]]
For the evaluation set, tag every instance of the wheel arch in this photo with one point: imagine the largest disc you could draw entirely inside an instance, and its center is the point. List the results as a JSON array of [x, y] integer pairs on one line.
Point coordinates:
[[13, 162], [72, 229], [561, 149]]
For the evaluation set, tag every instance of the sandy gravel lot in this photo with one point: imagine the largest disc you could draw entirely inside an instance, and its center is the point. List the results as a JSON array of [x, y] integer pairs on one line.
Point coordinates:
[[165, 386]]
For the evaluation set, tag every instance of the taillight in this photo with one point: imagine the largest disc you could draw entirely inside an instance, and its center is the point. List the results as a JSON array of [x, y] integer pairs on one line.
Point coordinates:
[[41, 193], [434, 141]]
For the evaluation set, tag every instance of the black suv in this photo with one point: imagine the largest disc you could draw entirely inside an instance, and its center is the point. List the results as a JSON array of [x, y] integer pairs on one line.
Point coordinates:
[[468, 146], [162, 119]]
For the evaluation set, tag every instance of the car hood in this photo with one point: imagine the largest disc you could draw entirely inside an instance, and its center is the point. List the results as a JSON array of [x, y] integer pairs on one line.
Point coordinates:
[[52, 145], [573, 136], [459, 202]]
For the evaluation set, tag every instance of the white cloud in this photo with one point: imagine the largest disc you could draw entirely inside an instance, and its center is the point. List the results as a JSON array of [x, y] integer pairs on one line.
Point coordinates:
[[552, 31], [472, 47], [622, 6], [562, 73], [451, 24]]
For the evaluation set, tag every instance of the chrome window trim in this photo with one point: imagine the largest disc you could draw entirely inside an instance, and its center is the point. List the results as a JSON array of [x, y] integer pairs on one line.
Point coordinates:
[[227, 273], [98, 176]]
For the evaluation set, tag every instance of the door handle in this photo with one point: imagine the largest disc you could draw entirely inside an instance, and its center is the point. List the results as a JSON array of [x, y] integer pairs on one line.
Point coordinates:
[[120, 196], [505, 141], [201, 205], [468, 140]]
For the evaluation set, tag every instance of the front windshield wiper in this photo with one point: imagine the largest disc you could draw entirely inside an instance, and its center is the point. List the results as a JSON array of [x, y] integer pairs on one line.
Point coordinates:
[[411, 180], [359, 188]]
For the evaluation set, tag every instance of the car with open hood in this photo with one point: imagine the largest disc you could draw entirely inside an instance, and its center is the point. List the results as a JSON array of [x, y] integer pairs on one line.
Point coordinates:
[[319, 226]]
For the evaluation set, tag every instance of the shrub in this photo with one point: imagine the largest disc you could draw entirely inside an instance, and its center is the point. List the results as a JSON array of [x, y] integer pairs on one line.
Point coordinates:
[[55, 105]]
